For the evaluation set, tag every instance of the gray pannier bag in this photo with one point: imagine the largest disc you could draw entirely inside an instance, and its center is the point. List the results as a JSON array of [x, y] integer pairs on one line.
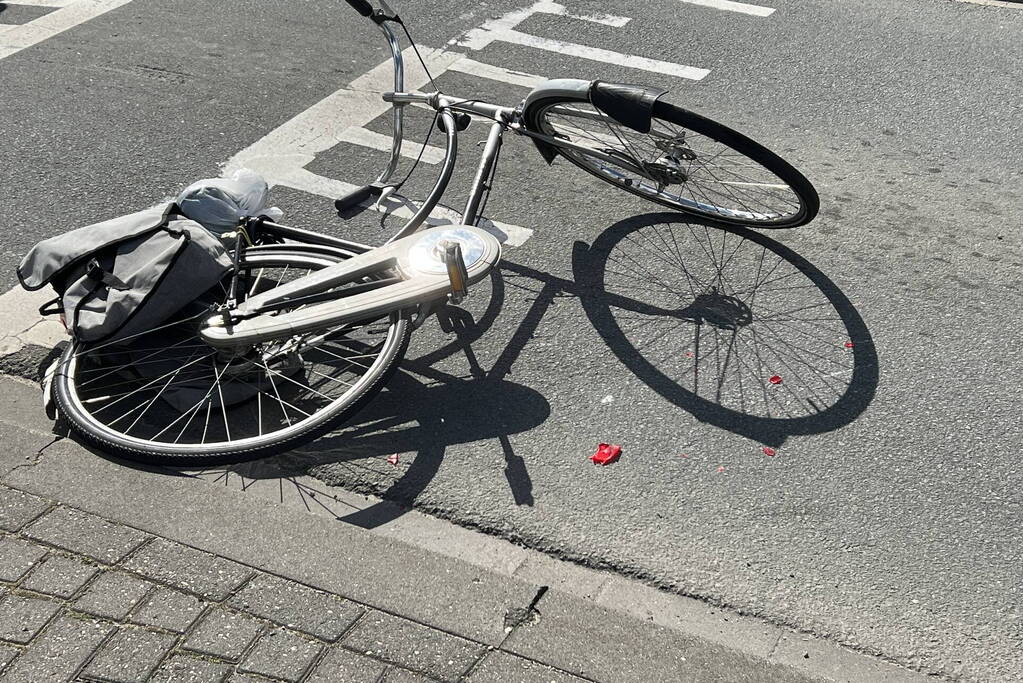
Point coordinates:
[[127, 275]]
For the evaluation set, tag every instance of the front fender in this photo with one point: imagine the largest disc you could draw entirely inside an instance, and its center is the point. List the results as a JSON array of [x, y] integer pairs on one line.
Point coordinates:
[[555, 88], [629, 105]]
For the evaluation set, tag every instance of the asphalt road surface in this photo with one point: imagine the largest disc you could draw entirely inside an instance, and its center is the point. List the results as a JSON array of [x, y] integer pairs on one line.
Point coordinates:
[[890, 514]]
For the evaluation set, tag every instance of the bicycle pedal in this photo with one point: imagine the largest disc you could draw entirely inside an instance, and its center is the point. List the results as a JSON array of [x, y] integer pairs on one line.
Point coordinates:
[[457, 272]]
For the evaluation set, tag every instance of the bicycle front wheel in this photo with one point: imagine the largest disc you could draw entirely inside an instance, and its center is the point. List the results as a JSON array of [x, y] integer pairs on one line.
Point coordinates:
[[686, 162], [166, 397]]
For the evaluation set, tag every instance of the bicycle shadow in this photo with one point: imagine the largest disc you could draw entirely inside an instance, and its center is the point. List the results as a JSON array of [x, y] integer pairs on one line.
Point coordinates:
[[705, 316], [421, 413], [742, 309], [729, 325], [411, 416]]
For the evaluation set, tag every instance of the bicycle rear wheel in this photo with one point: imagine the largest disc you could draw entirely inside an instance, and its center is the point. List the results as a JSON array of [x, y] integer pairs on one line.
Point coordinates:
[[686, 162], [166, 397]]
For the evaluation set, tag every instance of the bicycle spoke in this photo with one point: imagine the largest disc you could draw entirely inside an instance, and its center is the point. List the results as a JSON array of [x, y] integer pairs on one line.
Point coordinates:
[[712, 178], [165, 387]]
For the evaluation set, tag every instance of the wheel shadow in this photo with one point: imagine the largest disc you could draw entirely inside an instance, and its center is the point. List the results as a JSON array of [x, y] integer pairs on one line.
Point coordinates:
[[729, 325]]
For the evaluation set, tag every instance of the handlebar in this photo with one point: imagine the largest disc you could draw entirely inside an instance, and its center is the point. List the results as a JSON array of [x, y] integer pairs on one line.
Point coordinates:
[[362, 7]]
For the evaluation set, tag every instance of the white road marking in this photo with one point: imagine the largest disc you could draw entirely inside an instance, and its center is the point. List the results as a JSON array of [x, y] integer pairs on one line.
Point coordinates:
[[995, 3], [755, 10], [281, 155], [597, 54], [479, 38], [295, 144], [503, 29], [16, 38], [409, 148], [496, 73], [40, 3], [560, 10]]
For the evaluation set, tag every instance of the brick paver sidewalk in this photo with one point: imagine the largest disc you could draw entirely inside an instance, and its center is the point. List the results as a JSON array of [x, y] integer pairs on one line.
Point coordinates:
[[116, 573], [84, 597]]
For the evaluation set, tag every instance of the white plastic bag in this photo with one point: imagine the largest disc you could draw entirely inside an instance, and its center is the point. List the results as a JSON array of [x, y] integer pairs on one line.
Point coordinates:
[[218, 203]]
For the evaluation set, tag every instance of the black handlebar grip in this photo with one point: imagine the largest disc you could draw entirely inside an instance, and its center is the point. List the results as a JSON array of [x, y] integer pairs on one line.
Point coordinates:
[[357, 196], [362, 7]]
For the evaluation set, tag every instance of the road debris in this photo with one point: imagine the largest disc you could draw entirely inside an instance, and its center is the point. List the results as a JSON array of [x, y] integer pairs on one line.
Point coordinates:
[[606, 454]]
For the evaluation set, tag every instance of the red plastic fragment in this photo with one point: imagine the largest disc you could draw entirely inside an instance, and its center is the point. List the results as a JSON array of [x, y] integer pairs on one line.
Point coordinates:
[[848, 345], [393, 459], [689, 354], [606, 454], [769, 451], [775, 379], [721, 468]]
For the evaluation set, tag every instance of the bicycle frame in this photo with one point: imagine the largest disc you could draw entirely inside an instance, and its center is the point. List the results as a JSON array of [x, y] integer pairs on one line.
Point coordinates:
[[418, 283], [505, 118]]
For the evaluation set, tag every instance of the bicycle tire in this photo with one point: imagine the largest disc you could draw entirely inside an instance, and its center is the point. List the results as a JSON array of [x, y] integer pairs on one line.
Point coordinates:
[[537, 119], [87, 428]]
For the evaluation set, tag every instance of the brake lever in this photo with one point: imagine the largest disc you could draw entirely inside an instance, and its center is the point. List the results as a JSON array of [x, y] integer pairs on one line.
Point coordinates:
[[386, 13]]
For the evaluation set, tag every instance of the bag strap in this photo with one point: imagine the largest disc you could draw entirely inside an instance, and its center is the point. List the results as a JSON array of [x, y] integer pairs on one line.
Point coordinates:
[[95, 272], [52, 307], [98, 276], [175, 232]]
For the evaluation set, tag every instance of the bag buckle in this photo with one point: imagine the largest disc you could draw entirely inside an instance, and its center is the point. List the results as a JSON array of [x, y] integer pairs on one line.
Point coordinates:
[[94, 271]]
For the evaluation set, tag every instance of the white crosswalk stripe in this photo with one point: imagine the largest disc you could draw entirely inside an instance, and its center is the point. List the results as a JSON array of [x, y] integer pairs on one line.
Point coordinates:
[[730, 6], [40, 3], [68, 14], [561, 10], [597, 54]]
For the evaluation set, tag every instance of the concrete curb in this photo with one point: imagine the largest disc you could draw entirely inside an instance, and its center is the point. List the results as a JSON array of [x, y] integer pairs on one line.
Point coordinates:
[[22, 325]]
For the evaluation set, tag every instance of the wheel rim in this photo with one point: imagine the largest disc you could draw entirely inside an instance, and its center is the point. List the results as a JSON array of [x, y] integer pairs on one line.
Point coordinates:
[[166, 391], [682, 167]]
